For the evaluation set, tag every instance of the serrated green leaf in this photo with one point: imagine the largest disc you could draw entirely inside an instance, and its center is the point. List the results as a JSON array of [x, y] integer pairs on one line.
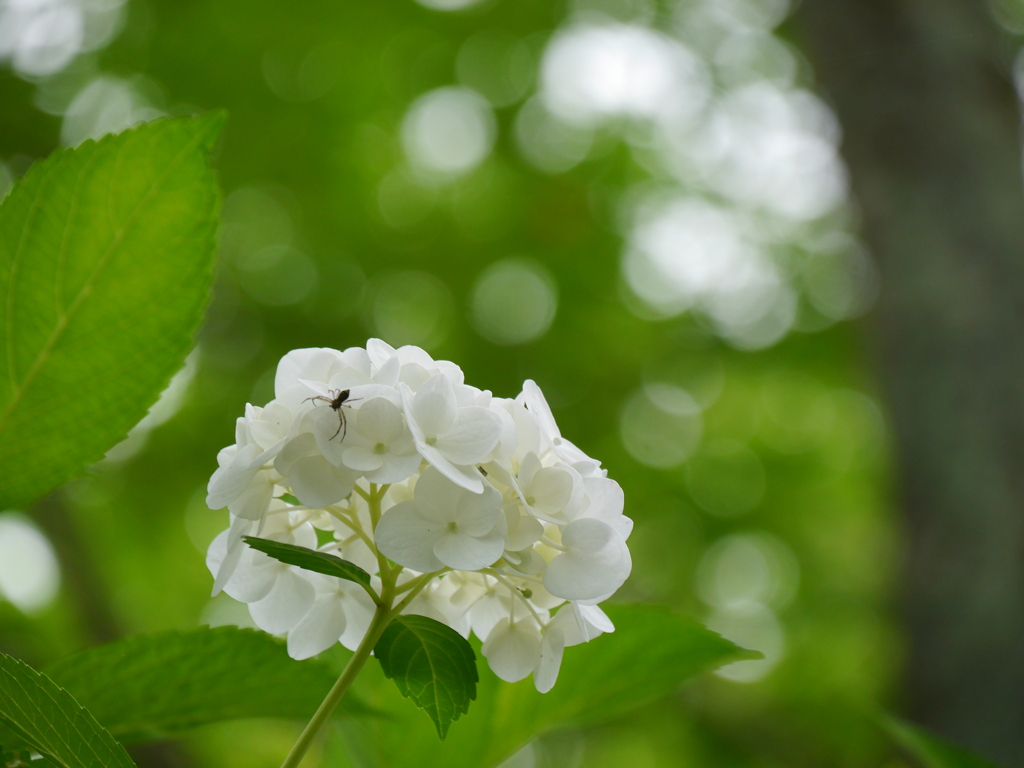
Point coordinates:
[[48, 720], [651, 653], [431, 664], [153, 686], [310, 560], [106, 262], [929, 750]]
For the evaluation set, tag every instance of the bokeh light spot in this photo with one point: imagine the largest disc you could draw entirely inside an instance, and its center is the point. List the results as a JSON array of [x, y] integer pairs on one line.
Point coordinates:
[[592, 72], [753, 626], [726, 478], [514, 302], [448, 132], [409, 307], [29, 571], [108, 105], [662, 431], [546, 142], [449, 5], [497, 65], [254, 218], [747, 568], [279, 276], [403, 201]]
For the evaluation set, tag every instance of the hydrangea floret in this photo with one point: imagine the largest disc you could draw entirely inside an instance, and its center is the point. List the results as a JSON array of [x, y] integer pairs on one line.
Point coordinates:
[[463, 507]]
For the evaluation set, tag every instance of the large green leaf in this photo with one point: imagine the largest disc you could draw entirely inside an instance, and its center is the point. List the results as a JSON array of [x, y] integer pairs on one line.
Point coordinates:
[[151, 686], [310, 559], [431, 664], [46, 719], [650, 654], [106, 261], [929, 750]]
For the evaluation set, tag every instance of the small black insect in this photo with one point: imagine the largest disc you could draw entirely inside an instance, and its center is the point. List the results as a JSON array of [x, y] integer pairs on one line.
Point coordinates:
[[338, 401]]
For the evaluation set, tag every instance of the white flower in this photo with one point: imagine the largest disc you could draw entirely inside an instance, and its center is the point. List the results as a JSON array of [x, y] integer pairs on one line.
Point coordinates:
[[435, 602], [595, 561], [313, 479], [443, 525], [493, 519], [550, 493], [415, 365], [562, 448], [241, 483], [342, 610], [512, 648], [278, 596], [521, 530], [378, 444], [451, 438], [515, 649], [604, 502]]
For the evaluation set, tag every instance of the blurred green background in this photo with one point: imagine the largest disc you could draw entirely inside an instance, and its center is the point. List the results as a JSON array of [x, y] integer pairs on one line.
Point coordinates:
[[641, 205]]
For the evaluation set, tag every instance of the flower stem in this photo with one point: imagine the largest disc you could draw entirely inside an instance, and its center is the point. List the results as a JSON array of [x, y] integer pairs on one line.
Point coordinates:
[[385, 613], [381, 618]]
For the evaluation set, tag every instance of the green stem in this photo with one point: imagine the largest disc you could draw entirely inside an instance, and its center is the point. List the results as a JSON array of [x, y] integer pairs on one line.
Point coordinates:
[[381, 618], [385, 613]]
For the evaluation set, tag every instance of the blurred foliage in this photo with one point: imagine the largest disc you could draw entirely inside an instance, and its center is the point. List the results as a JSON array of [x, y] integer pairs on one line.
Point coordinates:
[[758, 478]]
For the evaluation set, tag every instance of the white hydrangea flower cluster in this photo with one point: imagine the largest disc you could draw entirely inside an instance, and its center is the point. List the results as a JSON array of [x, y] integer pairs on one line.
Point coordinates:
[[471, 509]]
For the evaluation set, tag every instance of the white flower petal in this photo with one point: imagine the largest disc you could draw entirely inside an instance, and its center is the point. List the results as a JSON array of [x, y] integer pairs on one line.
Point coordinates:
[[317, 483], [379, 419], [597, 618], [395, 468], [606, 499], [328, 440], [225, 552], [229, 481], [433, 407], [538, 406], [321, 628], [359, 609], [380, 352], [299, 447], [468, 553], [252, 579], [406, 537], [522, 529], [551, 490], [512, 649], [465, 478], [436, 496], [472, 436], [546, 671], [362, 459], [285, 605], [478, 514], [486, 612], [254, 501], [528, 467], [314, 363], [597, 561], [388, 373]]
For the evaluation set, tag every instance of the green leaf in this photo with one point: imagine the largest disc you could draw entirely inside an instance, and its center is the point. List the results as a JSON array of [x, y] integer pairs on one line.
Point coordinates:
[[651, 653], [929, 750], [158, 685], [310, 560], [48, 720], [106, 262], [431, 664]]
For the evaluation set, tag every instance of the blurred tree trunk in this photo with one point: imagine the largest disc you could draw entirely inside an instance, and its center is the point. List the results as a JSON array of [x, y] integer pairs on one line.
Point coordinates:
[[931, 127]]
